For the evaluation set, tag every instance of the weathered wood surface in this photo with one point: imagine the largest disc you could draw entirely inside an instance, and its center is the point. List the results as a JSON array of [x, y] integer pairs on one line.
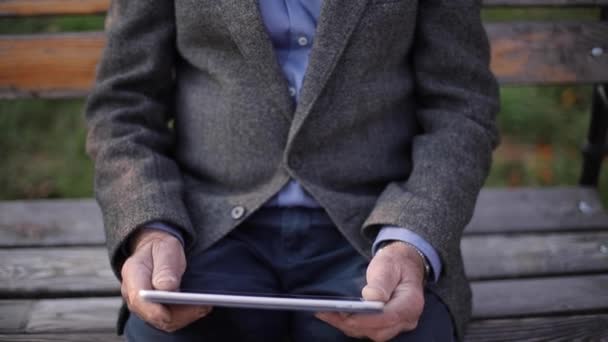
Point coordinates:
[[61, 7], [534, 255], [554, 52], [52, 7], [491, 299], [56, 272], [49, 65], [88, 337], [78, 222], [522, 53], [545, 3], [50, 223], [538, 210], [77, 315], [85, 271], [569, 328], [544, 296]]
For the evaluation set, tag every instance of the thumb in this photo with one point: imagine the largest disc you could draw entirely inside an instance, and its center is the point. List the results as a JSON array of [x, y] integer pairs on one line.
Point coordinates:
[[169, 264], [382, 278]]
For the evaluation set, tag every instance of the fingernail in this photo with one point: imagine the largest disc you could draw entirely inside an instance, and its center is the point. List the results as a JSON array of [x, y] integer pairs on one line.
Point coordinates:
[[167, 280]]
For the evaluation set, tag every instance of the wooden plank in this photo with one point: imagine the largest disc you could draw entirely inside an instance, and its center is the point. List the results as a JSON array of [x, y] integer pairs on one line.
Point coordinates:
[[537, 210], [582, 328], [522, 53], [586, 328], [533, 255], [76, 315], [50, 223], [82, 314], [14, 315], [535, 297], [545, 3], [569, 328], [89, 337], [84, 7], [52, 7], [491, 299], [56, 272], [530, 53], [37, 65], [77, 222]]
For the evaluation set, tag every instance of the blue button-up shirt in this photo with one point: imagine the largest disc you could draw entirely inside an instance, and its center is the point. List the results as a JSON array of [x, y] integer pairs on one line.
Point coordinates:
[[291, 26]]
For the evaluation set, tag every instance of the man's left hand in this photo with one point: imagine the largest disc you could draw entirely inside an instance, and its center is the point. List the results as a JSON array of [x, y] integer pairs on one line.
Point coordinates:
[[395, 276]]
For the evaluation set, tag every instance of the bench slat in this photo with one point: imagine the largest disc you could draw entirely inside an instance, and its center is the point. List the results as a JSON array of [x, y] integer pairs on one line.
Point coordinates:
[[535, 297], [543, 328], [545, 3], [89, 337], [60, 7], [78, 222], [525, 210], [496, 299], [52, 7], [85, 271], [56, 272], [513, 256], [63, 315], [522, 53], [56, 222], [569, 328], [534, 53], [38, 65]]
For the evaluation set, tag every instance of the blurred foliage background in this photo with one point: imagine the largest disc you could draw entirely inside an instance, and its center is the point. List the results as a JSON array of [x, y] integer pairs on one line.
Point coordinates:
[[42, 141]]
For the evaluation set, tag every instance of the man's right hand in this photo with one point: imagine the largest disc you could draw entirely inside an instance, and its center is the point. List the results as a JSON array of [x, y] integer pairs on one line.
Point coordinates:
[[157, 262]]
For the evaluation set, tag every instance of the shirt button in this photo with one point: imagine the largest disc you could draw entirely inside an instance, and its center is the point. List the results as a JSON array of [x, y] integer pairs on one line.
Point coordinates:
[[303, 41], [292, 91], [237, 212]]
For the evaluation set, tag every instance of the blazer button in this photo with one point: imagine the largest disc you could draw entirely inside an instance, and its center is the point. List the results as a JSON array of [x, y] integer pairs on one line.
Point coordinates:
[[237, 212], [296, 162]]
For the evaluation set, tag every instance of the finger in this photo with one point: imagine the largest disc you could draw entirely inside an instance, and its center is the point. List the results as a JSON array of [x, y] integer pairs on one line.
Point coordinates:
[[169, 264], [402, 311], [136, 277], [182, 315], [339, 322], [383, 275]]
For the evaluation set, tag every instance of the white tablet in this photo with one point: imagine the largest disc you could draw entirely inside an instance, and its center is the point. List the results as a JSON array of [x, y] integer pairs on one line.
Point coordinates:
[[261, 302]]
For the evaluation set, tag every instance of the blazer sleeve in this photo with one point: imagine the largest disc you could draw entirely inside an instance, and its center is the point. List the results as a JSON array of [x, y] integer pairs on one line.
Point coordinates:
[[137, 181], [457, 101]]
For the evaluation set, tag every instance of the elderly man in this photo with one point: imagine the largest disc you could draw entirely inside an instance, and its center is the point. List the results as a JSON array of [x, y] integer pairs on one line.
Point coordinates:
[[307, 147]]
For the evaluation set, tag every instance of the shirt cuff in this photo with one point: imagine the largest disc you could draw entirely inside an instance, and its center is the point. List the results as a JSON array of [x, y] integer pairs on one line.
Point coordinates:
[[403, 234], [155, 225], [165, 228]]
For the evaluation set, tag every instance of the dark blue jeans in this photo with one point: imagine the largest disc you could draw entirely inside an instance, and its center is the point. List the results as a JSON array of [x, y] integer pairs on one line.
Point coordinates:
[[295, 251]]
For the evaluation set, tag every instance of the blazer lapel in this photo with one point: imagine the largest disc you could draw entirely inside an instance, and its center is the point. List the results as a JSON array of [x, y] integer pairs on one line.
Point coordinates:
[[336, 23], [243, 19]]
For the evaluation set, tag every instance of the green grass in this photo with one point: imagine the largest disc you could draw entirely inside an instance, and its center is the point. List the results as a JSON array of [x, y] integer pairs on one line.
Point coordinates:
[[539, 14], [42, 141], [44, 153], [51, 24]]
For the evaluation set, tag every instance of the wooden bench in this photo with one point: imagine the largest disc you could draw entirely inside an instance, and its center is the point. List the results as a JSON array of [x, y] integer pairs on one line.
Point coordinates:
[[537, 258]]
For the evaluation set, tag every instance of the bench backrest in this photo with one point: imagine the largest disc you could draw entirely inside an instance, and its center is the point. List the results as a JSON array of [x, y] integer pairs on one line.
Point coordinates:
[[63, 64]]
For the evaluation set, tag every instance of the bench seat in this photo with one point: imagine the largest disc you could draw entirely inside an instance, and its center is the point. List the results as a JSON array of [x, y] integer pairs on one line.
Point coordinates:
[[537, 259]]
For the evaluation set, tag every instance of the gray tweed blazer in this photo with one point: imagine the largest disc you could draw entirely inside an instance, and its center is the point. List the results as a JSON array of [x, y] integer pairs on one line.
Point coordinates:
[[191, 117]]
